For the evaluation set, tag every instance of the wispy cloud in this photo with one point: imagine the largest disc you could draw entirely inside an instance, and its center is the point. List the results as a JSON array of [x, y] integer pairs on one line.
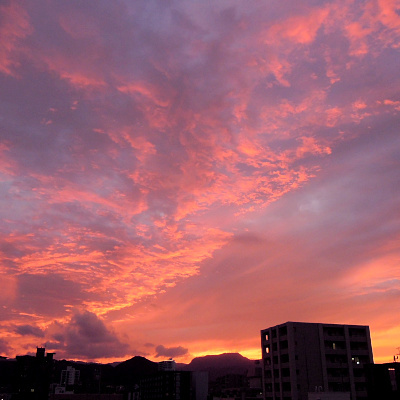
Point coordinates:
[[196, 160]]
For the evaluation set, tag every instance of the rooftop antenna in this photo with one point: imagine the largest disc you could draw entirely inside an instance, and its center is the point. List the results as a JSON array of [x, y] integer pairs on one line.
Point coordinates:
[[396, 356]]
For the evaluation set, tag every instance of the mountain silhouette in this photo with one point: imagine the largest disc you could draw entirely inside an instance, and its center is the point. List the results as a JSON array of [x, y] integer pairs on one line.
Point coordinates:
[[219, 365], [134, 369]]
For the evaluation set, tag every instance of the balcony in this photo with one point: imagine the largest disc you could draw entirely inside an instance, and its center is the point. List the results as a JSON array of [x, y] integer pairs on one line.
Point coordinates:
[[329, 350], [359, 353], [338, 379], [334, 338], [358, 339], [336, 364]]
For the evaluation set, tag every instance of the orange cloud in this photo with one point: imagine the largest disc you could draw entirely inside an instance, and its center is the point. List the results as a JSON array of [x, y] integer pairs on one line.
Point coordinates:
[[173, 173]]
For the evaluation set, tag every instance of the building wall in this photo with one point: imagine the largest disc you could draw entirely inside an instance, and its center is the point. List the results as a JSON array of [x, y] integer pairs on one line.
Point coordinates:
[[301, 358], [167, 385], [329, 396]]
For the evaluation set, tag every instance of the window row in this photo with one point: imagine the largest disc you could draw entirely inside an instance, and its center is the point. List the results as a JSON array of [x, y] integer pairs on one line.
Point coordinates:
[[284, 358]]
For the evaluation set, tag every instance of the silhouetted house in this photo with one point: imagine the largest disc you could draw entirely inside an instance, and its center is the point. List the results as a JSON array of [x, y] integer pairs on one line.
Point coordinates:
[[383, 381], [302, 358]]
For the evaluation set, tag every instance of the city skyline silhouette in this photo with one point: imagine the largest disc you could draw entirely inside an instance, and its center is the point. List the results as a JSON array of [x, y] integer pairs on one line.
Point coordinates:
[[176, 176]]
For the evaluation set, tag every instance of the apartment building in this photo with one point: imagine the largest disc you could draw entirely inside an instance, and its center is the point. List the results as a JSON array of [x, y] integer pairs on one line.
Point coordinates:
[[301, 359]]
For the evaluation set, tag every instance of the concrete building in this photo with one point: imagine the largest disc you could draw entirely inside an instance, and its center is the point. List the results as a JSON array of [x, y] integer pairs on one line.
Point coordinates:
[[175, 385], [69, 376], [166, 385], [301, 359], [34, 375], [169, 365]]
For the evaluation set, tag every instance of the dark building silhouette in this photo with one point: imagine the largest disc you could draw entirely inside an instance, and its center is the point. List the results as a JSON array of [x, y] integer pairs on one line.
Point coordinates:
[[8, 377], [35, 375], [167, 385], [383, 381], [86, 396], [301, 358]]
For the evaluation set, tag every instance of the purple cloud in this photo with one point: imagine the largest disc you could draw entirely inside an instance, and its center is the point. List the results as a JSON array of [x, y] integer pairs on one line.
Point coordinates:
[[86, 336], [29, 330], [170, 352], [4, 347]]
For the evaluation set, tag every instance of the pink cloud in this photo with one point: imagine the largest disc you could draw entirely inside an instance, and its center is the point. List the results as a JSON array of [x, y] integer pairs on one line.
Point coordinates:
[[14, 28], [299, 29], [197, 161]]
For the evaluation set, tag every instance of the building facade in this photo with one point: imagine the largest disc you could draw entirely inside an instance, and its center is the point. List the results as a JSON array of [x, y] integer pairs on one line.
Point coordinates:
[[69, 376], [167, 385], [303, 358], [169, 365]]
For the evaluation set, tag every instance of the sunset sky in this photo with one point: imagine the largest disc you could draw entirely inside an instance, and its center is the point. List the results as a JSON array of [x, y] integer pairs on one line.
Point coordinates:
[[176, 176]]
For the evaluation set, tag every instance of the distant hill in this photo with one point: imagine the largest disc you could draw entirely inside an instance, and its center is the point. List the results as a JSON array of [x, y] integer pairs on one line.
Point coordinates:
[[216, 365], [134, 369], [130, 372], [219, 365]]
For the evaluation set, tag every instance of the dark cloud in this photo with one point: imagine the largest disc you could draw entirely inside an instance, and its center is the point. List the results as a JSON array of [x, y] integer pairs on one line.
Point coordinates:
[[171, 352], [47, 294], [87, 337], [4, 348], [29, 330]]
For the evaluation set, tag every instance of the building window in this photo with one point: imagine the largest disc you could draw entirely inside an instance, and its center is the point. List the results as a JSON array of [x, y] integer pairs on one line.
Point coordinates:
[[285, 372], [283, 345], [284, 358]]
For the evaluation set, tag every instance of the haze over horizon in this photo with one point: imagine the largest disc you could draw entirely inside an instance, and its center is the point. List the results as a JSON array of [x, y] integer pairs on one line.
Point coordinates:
[[176, 176]]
